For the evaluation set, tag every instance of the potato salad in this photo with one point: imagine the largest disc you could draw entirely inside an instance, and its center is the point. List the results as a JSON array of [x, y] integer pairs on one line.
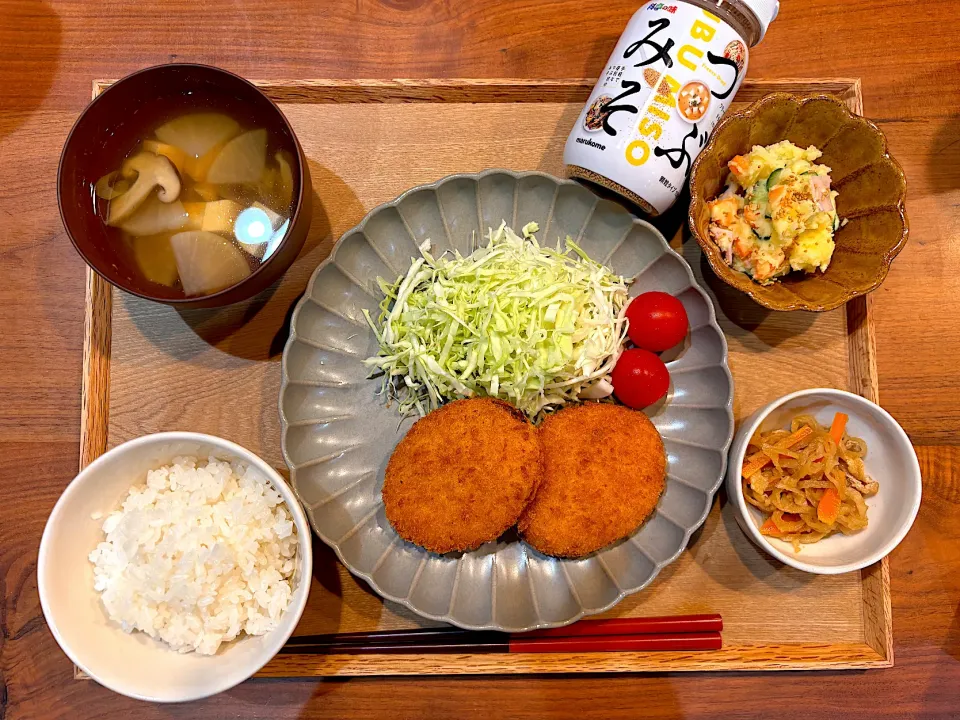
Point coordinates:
[[777, 213]]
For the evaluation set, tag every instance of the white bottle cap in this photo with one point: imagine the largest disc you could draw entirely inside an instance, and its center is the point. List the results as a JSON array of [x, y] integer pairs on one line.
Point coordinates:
[[766, 12]]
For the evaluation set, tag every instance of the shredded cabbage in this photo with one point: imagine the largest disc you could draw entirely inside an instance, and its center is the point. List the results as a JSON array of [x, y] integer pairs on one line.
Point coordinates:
[[535, 326]]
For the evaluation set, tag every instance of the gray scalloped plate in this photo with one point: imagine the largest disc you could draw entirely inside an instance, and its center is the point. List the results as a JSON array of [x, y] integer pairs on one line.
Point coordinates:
[[337, 433]]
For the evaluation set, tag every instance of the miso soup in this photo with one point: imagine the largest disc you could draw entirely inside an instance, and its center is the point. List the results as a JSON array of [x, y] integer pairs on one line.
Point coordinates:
[[200, 200]]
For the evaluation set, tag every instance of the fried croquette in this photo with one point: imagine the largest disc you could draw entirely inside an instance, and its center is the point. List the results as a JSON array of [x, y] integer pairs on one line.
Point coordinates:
[[604, 472], [462, 475]]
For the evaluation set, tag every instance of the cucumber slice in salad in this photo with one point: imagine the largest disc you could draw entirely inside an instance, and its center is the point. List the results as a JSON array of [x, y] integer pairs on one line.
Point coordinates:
[[758, 193], [774, 178]]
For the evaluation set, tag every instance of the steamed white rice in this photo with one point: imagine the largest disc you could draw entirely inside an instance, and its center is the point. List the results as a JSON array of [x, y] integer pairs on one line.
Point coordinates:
[[204, 551]]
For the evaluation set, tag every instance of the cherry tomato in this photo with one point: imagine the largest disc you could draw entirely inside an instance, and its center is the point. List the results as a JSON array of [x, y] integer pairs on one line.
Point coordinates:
[[658, 321], [640, 378]]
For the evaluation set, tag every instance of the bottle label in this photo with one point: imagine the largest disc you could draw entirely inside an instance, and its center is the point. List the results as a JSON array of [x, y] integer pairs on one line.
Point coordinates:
[[671, 77]]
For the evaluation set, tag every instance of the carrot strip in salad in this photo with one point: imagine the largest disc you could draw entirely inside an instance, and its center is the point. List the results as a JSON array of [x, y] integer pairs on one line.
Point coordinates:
[[739, 165], [778, 193]]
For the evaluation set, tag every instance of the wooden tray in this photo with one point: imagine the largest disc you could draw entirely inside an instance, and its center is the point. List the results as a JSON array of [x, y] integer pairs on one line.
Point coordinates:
[[148, 367]]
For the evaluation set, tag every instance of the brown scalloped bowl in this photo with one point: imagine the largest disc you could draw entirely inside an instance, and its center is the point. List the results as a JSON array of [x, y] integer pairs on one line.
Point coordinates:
[[872, 191]]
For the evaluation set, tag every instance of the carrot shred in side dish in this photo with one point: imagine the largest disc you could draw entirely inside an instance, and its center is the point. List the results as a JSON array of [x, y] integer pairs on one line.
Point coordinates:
[[829, 506], [770, 528], [810, 480], [839, 425], [761, 459]]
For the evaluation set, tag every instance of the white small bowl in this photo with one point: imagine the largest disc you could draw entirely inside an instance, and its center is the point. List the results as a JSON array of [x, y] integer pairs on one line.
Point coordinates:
[[890, 460], [134, 664]]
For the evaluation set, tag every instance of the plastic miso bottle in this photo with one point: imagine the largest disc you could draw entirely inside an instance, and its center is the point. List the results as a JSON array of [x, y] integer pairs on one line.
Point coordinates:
[[671, 77]]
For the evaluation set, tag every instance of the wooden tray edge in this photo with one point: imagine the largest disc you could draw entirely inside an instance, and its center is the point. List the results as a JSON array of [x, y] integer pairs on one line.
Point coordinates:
[[875, 580], [877, 611], [800, 656], [864, 380], [95, 383], [766, 658], [484, 90]]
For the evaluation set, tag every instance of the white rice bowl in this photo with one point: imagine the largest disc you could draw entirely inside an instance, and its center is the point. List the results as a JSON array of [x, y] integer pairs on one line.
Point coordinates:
[[203, 552]]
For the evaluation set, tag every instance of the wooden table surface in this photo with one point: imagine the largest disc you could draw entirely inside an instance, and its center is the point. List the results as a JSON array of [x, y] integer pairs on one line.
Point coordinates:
[[908, 55]]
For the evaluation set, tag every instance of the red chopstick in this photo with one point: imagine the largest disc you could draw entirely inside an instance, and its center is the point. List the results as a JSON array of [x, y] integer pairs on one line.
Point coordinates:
[[684, 642], [682, 633], [635, 626], [618, 643]]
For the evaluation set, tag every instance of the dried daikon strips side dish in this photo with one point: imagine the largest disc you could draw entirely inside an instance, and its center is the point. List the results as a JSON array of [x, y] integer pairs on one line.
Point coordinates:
[[810, 480]]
